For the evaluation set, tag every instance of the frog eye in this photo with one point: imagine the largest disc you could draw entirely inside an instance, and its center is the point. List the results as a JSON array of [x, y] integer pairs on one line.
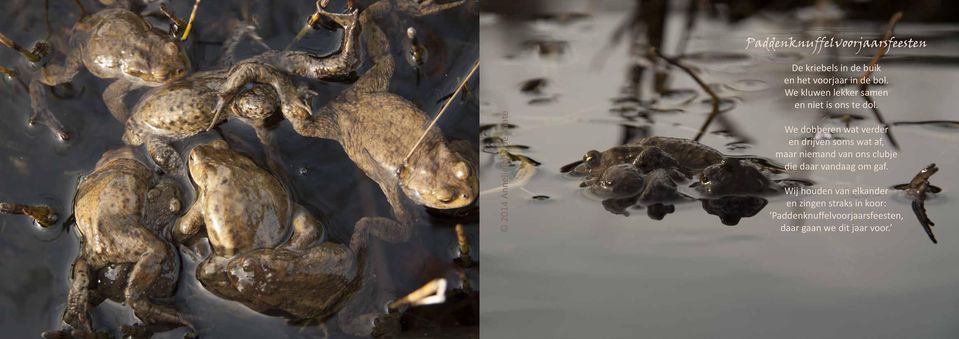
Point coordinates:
[[461, 170], [174, 205], [592, 158]]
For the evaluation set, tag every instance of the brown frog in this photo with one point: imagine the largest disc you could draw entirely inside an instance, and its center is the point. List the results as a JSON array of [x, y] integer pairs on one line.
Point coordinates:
[[113, 43], [121, 211], [688, 156], [190, 106], [377, 128], [268, 252]]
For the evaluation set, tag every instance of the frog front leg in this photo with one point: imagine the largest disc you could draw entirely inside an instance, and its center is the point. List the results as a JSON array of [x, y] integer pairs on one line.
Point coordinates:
[[307, 231], [38, 101], [291, 103], [114, 95], [190, 223]]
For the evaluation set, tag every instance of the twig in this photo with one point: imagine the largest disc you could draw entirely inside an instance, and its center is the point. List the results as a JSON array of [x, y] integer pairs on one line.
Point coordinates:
[[8, 72], [464, 247], [863, 86], [4, 40], [43, 215], [434, 292], [459, 89], [309, 24], [189, 25], [712, 94]]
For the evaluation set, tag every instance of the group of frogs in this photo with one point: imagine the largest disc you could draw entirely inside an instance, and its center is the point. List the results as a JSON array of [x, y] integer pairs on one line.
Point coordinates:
[[268, 252], [652, 171]]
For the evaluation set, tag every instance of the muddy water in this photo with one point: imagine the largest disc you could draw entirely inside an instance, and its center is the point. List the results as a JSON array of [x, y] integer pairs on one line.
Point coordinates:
[[36, 168], [565, 267]]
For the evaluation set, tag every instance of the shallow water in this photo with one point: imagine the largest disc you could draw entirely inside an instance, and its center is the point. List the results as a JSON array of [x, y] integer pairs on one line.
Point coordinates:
[[36, 168], [566, 268]]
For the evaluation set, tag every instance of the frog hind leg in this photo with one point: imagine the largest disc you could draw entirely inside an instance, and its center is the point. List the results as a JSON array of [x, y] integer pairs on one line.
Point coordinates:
[[146, 272], [113, 97], [38, 101], [332, 67], [77, 314], [359, 315]]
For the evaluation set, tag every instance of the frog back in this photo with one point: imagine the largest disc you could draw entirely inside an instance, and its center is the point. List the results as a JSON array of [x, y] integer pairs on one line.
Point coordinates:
[[111, 200], [178, 110], [245, 207], [108, 38], [689, 153]]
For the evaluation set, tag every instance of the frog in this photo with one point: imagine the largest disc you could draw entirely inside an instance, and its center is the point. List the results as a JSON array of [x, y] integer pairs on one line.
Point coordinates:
[[917, 190], [734, 176], [113, 43], [690, 156], [122, 210], [190, 106], [377, 128], [731, 209], [268, 252]]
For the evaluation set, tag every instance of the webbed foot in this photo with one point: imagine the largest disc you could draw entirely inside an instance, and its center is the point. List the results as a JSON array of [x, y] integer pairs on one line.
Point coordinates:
[[344, 19]]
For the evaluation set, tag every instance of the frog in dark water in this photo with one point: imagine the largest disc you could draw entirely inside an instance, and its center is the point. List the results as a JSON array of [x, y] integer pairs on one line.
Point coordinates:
[[268, 252], [917, 189], [190, 106], [113, 43], [121, 210], [377, 128], [649, 172]]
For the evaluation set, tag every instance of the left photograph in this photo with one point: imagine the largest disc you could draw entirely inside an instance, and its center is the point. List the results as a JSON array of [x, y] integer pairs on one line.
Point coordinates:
[[239, 169]]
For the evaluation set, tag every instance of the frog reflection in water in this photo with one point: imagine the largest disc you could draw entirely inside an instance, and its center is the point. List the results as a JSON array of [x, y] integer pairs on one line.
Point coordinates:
[[377, 128], [114, 43], [268, 252], [190, 106], [121, 211], [648, 171]]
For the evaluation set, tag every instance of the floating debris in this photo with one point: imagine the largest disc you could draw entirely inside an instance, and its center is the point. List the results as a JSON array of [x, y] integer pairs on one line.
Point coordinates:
[[464, 260], [541, 197], [533, 86], [43, 215], [434, 292], [917, 190]]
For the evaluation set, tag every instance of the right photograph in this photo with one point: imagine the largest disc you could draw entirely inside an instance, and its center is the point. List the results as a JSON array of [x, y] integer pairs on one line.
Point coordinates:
[[719, 169]]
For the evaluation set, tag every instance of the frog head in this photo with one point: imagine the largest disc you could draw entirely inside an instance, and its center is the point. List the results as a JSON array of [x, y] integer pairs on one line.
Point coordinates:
[[159, 61], [619, 181], [110, 157], [255, 104], [437, 177], [204, 159]]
